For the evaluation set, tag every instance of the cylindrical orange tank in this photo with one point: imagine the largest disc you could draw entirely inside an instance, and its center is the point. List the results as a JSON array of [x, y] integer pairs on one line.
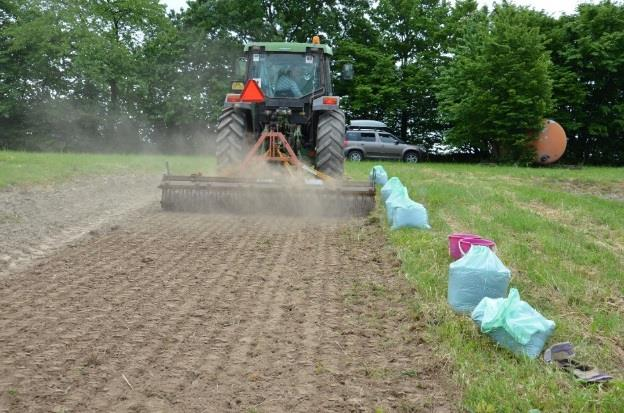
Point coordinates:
[[551, 143]]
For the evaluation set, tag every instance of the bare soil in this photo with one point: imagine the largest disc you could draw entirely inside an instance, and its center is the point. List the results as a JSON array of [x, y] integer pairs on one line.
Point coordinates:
[[37, 220], [181, 312]]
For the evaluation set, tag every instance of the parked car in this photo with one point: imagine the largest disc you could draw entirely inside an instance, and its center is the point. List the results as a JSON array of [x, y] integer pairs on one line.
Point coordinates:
[[371, 140]]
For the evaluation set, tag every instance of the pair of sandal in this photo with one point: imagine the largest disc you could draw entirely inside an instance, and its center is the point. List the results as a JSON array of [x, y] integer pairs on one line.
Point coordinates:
[[562, 355]]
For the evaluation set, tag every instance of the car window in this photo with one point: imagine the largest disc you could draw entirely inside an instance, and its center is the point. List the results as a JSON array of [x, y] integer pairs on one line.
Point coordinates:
[[387, 138], [353, 136], [368, 137]]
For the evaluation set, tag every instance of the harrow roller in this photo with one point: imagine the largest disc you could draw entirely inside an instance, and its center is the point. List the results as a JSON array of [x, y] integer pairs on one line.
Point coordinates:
[[266, 196]]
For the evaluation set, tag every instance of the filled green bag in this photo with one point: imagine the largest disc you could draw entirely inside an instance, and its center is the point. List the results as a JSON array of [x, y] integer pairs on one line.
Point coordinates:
[[478, 274], [396, 198], [409, 214], [393, 184], [513, 324], [379, 175]]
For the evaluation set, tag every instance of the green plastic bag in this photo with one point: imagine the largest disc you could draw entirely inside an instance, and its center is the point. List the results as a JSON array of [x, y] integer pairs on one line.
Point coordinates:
[[479, 273], [397, 197], [513, 323], [379, 175], [409, 214], [390, 186]]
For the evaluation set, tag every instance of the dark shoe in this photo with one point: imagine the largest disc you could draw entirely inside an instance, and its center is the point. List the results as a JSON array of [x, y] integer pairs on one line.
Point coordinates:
[[562, 354]]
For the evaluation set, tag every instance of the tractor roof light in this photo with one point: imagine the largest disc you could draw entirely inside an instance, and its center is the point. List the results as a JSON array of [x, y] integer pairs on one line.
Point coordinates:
[[316, 40]]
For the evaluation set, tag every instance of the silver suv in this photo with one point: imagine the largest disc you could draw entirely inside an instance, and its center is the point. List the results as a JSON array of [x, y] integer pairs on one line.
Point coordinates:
[[363, 141]]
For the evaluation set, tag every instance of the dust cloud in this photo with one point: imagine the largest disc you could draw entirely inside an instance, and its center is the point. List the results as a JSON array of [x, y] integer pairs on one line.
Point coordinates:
[[63, 125]]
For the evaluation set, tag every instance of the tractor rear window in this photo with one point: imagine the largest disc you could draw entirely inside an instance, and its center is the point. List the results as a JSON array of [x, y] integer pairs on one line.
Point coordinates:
[[286, 74]]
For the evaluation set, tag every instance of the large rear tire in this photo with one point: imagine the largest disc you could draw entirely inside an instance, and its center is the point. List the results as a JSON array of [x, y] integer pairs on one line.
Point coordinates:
[[231, 144], [329, 140]]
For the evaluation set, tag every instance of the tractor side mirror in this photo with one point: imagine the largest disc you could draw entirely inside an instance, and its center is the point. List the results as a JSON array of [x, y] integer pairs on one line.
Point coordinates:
[[347, 71], [241, 67]]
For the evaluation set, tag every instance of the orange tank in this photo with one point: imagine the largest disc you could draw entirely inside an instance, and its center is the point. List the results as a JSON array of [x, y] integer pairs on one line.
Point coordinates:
[[551, 143]]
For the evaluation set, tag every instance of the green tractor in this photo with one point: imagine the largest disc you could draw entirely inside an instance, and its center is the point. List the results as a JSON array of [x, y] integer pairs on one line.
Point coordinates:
[[279, 144], [297, 100]]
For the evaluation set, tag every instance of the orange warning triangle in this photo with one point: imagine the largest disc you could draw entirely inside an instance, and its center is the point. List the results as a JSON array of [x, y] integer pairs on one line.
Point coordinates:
[[252, 93]]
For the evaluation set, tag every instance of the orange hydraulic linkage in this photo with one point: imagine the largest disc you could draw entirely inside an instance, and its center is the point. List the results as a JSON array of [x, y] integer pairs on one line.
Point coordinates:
[[274, 153]]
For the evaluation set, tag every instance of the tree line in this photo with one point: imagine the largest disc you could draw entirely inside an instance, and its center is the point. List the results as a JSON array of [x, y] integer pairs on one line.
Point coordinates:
[[122, 75]]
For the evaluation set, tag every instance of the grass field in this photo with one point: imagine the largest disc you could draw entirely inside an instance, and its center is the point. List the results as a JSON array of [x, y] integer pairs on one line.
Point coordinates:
[[561, 232], [26, 168]]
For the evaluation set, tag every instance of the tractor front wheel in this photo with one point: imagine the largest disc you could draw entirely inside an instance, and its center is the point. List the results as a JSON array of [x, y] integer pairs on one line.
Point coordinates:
[[329, 140], [231, 133]]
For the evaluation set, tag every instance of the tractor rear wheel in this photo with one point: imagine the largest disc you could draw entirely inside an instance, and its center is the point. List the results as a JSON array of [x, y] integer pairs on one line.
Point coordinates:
[[329, 140], [231, 142]]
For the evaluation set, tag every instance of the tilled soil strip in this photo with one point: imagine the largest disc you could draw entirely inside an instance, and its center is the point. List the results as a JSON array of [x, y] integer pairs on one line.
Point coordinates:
[[181, 312], [38, 220]]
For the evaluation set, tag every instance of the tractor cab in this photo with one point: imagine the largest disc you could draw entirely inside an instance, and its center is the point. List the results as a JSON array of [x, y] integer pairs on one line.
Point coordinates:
[[286, 88], [294, 71], [288, 75]]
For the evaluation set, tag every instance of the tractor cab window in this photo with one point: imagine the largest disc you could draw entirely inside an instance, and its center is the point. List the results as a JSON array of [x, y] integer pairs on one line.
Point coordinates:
[[286, 74]]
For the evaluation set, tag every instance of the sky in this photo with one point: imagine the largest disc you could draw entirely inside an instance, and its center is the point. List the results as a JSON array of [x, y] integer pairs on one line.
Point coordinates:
[[552, 7], [174, 4]]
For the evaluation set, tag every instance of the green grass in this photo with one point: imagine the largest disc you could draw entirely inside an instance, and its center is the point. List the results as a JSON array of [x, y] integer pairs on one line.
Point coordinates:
[[561, 232], [27, 168]]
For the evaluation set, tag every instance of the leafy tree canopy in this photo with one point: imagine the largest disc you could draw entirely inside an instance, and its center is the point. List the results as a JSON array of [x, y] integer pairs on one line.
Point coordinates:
[[497, 90]]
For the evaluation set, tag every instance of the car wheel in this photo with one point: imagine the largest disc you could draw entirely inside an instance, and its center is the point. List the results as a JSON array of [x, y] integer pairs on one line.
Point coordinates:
[[411, 157], [355, 156]]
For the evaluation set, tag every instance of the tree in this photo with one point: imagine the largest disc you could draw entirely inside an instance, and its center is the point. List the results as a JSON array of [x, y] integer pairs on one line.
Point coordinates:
[[588, 52], [184, 82], [71, 72], [496, 91], [398, 53], [112, 35], [264, 20], [410, 30], [34, 57], [118, 74], [374, 91]]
